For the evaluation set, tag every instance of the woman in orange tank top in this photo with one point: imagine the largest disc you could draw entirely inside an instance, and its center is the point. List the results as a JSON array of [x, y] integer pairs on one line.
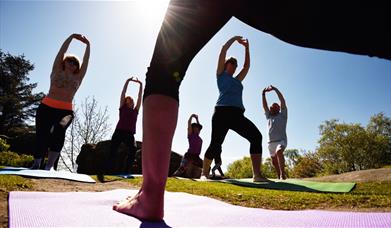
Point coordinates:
[[55, 113]]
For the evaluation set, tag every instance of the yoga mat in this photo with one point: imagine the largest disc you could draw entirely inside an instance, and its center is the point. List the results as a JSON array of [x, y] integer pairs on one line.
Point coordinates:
[[46, 174], [94, 209], [295, 185]]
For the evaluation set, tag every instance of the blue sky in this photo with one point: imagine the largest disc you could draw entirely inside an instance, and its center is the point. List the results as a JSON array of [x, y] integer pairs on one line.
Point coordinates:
[[318, 85]]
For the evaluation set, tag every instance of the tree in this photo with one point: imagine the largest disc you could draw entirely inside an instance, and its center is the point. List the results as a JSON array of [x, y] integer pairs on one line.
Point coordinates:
[[18, 103], [240, 168], [88, 127], [308, 165], [350, 147], [380, 126]]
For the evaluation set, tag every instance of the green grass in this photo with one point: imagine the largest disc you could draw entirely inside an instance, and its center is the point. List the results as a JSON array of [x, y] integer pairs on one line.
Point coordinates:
[[14, 183], [364, 196]]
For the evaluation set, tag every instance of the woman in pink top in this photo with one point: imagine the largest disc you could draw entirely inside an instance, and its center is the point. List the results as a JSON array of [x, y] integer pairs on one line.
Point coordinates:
[[195, 145], [125, 130], [55, 113]]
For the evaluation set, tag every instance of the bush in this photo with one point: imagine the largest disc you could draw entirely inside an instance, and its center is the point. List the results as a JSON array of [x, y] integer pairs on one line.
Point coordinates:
[[3, 145], [8, 158], [308, 166], [240, 169]]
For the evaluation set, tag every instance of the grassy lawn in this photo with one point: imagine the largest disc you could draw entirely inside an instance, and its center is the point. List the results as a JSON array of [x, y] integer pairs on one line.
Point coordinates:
[[375, 195], [14, 183]]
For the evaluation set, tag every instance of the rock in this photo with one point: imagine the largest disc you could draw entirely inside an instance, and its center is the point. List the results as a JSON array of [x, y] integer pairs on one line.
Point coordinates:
[[91, 157]]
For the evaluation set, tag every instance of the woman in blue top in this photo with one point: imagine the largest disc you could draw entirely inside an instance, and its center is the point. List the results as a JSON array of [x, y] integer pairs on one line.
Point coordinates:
[[229, 111]]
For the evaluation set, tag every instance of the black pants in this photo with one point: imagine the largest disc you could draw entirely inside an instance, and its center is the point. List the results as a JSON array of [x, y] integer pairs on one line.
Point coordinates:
[[50, 126], [190, 24], [232, 118], [120, 136]]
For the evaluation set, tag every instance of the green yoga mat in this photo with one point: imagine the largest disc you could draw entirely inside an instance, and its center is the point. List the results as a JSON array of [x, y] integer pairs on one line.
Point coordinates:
[[294, 185]]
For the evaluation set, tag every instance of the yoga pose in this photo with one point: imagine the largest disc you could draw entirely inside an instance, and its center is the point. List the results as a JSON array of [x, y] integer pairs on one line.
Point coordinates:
[[125, 130], [229, 111], [55, 114], [195, 145], [189, 25], [277, 116]]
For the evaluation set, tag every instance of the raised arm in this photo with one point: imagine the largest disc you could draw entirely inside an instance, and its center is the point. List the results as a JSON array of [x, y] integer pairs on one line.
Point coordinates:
[[122, 99], [140, 92], [189, 128], [86, 57], [264, 101], [57, 65], [246, 66], [280, 96], [223, 53]]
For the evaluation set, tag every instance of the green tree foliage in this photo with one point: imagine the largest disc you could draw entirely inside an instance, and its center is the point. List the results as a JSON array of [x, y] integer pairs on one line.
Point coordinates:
[[18, 103], [268, 169], [308, 165], [240, 168], [3, 145], [350, 147]]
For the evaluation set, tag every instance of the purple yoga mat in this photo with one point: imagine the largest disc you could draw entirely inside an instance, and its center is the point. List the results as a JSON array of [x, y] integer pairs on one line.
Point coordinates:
[[70, 209]]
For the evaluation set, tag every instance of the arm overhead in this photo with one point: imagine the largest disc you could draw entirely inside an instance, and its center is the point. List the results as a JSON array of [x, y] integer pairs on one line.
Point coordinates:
[[264, 101], [57, 65], [246, 65], [140, 92], [280, 96], [223, 53], [86, 57], [122, 99], [189, 128]]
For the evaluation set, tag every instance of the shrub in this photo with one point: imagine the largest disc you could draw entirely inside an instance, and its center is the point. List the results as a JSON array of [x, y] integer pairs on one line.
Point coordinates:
[[8, 158], [3, 145], [240, 168]]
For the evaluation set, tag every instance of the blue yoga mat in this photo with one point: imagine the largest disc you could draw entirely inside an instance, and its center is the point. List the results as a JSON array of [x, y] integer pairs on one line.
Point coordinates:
[[46, 174]]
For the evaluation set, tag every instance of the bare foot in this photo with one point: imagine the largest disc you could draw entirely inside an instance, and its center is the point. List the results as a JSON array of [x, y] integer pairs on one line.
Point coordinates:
[[142, 206], [260, 179]]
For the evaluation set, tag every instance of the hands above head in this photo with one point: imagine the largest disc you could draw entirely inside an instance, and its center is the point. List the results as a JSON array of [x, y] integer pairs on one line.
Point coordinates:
[[243, 42], [194, 115], [134, 79], [81, 38], [268, 89]]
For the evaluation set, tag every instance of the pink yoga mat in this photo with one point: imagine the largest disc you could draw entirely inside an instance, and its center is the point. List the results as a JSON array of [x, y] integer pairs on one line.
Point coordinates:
[[94, 209]]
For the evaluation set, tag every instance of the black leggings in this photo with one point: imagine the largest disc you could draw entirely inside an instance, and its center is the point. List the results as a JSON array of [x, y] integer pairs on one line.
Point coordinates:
[[190, 24], [232, 118], [120, 136], [50, 126]]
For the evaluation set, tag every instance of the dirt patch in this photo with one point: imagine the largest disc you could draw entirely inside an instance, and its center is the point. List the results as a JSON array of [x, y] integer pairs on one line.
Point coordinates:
[[57, 185], [370, 175]]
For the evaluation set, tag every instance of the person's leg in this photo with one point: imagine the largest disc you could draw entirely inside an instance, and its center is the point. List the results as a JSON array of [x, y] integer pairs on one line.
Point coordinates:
[[311, 26], [281, 163], [64, 119], [132, 150], [187, 27], [276, 166], [245, 128], [42, 129], [220, 127]]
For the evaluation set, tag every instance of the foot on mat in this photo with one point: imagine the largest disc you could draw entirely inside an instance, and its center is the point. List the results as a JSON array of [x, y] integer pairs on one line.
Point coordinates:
[[101, 178], [260, 179], [142, 207]]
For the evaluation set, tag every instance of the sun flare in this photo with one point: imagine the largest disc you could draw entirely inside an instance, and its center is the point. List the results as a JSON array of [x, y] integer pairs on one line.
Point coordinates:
[[152, 11]]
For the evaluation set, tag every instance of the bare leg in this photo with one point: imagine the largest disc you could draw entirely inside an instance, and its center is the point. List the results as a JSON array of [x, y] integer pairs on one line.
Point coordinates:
[[281, 163], [276, 166], [256, 163], [159, 122]]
